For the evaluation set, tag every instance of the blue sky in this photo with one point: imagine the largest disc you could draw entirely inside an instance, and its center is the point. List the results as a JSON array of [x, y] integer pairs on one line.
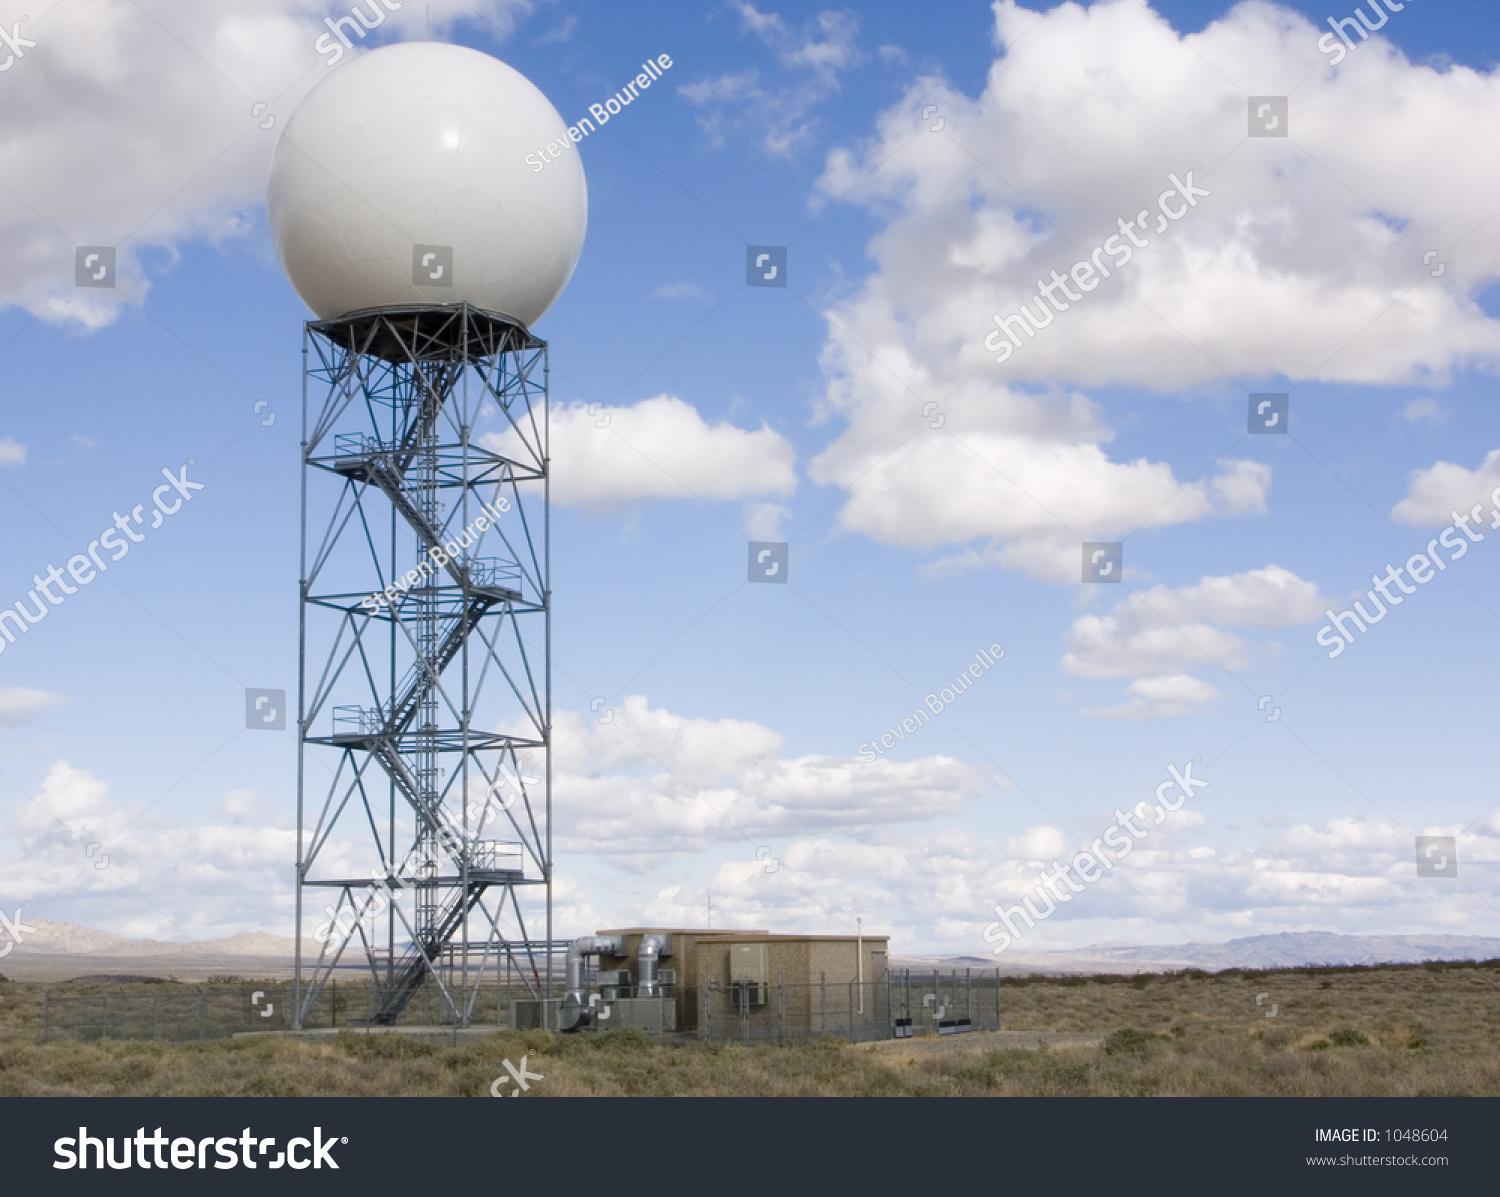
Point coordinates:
[[799, 414]]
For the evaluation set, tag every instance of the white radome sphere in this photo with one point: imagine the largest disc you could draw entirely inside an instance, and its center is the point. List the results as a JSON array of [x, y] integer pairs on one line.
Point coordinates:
[[425, 144]]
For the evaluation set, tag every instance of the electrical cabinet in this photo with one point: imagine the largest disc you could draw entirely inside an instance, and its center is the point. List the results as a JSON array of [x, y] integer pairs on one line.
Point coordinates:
[[747, 962]]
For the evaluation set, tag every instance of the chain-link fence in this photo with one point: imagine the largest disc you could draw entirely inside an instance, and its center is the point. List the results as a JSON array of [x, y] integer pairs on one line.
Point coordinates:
[[898, 1004], [179, 1014], [929, 1003]]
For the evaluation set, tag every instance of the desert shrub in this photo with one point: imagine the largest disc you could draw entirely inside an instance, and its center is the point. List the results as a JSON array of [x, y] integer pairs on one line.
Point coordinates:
[[385, 1046], [1128, 1041], [1349, 1037], [618, 1041]]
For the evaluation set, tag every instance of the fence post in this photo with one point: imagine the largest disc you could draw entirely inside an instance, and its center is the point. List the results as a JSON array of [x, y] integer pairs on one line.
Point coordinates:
[[44, 1015], [822, 1003], [968, 1000], [781, 997], [703, 1001], [851, 1011], [997, 997], [202, 1014]]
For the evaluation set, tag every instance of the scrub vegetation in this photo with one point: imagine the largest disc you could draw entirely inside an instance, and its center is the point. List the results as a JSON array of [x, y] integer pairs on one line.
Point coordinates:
[[1409, 1030]]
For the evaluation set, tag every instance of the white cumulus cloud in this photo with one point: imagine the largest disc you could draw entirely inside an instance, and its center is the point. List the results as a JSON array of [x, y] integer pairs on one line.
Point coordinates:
[[1315, 242], [1433, 494], [659, 448], [1155, 636], [160, 113], [160, 877], [650, 784], [19, 705], [779, 112]]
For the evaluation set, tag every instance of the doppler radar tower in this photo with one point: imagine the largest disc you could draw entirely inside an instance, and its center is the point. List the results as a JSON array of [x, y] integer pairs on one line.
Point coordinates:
[[407, 218]]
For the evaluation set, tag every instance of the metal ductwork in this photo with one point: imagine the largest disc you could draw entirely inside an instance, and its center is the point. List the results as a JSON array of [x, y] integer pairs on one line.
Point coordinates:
[[575, 1010], [651, 950]]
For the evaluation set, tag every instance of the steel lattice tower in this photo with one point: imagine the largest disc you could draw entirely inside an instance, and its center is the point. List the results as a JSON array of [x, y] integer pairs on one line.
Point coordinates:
[[425, 696]]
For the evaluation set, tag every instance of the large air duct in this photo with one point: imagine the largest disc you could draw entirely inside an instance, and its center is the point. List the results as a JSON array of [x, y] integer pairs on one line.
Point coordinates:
[[646, 956], [575, 1011]]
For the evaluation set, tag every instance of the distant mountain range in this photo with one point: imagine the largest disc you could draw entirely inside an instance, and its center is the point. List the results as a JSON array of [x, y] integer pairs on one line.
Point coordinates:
[[1288, 950], [69, 939], [1293, 949]]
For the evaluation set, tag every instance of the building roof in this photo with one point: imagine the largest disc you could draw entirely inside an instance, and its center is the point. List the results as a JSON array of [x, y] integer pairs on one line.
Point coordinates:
[[674, 931], [732, 935]]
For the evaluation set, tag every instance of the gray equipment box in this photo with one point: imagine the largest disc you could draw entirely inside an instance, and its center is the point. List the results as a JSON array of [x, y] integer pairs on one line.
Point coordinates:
[[531, 1014], [653, 1015]]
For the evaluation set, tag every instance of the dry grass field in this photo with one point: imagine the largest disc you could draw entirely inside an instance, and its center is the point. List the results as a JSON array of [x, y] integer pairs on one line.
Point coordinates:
[[1414, 1030]]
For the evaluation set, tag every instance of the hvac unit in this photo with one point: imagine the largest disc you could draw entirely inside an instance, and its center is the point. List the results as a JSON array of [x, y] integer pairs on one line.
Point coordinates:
[[653, 1015]]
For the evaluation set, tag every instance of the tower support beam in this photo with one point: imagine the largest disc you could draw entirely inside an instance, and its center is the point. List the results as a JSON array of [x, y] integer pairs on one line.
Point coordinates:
[[425, 674]]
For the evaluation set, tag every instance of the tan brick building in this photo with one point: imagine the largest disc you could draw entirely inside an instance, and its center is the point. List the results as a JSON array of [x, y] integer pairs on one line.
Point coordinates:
[[767, 985]]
